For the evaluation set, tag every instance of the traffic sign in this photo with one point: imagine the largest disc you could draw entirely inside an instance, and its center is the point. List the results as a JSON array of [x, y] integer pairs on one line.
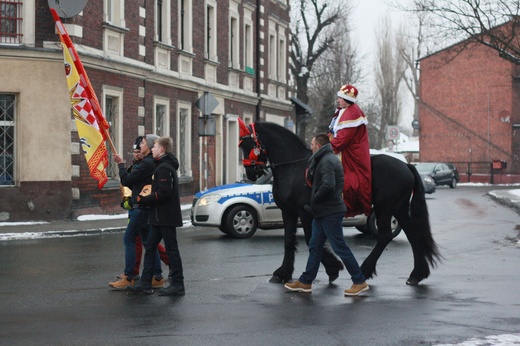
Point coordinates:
[[392, 132], [206, 103]]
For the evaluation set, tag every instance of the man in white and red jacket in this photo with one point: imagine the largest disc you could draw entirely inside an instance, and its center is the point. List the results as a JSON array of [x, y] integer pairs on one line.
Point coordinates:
[[348, 136]]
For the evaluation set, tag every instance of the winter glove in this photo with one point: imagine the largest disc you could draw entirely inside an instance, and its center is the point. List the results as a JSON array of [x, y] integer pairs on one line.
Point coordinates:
[[126, 204], [145, 200], [308, 209]]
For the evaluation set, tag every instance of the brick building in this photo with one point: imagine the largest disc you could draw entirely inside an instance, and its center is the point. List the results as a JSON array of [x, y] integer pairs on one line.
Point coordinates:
[[149, 62], [469, 113]]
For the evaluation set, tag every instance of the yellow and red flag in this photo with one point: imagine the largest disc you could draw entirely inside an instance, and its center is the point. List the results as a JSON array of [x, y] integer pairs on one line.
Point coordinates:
[[92, 125]]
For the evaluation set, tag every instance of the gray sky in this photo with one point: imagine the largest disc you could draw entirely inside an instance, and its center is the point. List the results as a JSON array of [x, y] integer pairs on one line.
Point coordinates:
[[367, 14]]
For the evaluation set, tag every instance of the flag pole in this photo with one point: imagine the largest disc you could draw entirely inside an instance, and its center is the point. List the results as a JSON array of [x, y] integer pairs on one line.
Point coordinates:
[[109, 139]]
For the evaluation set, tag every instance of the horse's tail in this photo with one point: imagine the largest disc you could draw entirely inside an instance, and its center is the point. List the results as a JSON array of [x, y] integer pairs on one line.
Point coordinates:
[[421, 218]]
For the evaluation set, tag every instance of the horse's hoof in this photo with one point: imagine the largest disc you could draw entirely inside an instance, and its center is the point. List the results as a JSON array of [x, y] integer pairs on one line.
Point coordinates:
[[333, 277], [412, 281], [275, 279]]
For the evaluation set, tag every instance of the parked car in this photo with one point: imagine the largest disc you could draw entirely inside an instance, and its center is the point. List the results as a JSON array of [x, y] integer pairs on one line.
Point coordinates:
[[239, 209], [428, 183], [440, 173]]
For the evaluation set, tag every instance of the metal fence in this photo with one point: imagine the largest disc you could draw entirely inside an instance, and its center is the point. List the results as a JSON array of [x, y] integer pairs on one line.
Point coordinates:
[[483, 172]]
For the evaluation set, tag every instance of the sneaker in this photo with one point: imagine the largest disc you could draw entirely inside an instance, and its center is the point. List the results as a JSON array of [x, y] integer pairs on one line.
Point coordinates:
[[297, 286], [139, 287], [357, 289], [172, 290], [157, 282], [122, 283]]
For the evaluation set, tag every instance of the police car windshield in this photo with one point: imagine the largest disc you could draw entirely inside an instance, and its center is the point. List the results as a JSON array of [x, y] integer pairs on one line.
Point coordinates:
[[265, 179]]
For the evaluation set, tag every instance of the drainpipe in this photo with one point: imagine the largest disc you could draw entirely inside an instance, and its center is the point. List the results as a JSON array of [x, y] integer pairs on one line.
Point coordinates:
[[257, 62]]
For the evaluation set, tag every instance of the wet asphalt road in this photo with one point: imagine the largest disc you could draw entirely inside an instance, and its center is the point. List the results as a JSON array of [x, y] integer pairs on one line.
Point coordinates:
[[54, 291]]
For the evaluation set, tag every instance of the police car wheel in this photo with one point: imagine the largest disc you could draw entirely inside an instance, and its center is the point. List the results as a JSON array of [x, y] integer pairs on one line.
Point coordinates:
[[241, 221], [372, 226]]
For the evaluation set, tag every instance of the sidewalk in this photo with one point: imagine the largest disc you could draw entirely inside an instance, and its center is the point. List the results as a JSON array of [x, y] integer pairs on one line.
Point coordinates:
[[509, 198], [108, 224]]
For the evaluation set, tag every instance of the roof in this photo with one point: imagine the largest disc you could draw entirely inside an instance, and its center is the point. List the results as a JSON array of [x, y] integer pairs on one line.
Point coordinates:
[[466, 40], [301, 108]]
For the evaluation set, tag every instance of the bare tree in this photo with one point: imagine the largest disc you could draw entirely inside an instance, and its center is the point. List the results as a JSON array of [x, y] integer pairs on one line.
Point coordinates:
[[494, 23], [389, 76], [311, 29], [412, 49], [337, 66]]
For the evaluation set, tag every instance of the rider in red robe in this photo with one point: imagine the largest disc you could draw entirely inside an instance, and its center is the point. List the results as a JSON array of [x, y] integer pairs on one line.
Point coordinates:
[[349, 136]]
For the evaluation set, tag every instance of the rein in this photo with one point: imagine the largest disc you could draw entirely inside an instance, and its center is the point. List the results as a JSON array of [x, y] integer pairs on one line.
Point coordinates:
[[287, 163]]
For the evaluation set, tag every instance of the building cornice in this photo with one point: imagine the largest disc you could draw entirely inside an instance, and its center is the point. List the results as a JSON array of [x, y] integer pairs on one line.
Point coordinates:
[[99, 60]]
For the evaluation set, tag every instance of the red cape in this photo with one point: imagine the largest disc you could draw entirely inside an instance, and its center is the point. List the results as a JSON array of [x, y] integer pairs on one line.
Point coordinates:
[[351, 139]]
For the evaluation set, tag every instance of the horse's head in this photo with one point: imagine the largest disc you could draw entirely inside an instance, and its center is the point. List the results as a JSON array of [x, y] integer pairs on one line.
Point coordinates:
[[255, 156]]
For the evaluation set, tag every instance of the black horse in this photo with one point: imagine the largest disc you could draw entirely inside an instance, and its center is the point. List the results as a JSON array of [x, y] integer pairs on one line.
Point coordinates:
[[397, 190]]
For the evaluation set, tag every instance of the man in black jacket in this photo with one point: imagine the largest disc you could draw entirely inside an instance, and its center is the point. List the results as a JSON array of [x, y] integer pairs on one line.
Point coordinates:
[[327, 206], [165, 217], [136, 180]]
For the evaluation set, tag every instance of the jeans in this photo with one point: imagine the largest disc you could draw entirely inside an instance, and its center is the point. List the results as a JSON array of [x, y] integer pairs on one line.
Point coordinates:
[[329, 227], [169, 235], [137, 225]]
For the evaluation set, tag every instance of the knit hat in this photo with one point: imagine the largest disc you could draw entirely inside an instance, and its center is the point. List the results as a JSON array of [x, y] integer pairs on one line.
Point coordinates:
[[150, 140], [137, 143], [348, 92]]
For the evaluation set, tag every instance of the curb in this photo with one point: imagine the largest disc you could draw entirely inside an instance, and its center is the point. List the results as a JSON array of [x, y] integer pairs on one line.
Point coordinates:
[[57, 234]]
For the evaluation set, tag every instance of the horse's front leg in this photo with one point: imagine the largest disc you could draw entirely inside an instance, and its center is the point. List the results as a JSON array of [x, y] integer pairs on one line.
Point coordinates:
[[285, 271]]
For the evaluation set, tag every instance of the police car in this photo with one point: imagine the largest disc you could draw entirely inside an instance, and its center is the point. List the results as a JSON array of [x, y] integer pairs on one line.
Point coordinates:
[[239, 209]]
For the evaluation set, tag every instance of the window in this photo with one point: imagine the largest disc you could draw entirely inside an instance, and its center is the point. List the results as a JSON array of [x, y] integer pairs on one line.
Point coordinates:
[[211, 32], [184, 139], [272, 57], [233, 43], [277, 49], [248, 48], [159, 20], [7, 113], [282, 61], [115, 12], [162, 21], [10, 21], [161, 117], [185, 25], [113, 110]]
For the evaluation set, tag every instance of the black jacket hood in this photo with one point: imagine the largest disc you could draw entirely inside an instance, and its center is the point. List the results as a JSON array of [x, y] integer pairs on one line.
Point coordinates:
[[169, 158]]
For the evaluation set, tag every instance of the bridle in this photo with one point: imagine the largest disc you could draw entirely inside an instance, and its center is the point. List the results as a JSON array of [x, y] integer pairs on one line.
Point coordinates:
[[256, 151]]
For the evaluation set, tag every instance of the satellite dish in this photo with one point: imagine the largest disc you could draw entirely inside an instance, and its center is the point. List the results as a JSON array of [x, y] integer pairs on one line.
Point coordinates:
[[67, 8]]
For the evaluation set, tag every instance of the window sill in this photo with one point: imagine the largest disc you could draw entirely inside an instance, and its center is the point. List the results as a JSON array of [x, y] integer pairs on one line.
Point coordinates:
[[185, 180], [115, 28], [163, 45], [185, 53]]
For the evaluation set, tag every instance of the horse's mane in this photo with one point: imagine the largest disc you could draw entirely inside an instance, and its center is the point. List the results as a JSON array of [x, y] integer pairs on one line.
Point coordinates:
[[290, 139]]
